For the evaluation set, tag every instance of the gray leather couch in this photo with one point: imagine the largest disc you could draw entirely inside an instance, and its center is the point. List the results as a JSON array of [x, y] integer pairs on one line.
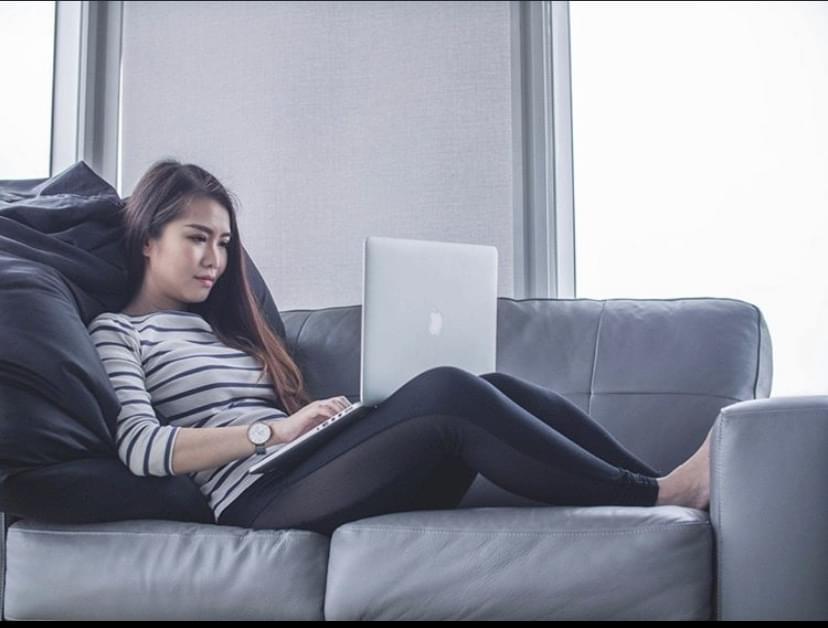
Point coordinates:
[[656, 373]]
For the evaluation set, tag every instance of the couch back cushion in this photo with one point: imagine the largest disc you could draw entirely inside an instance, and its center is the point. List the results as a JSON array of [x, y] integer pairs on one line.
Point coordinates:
[[654, 372]]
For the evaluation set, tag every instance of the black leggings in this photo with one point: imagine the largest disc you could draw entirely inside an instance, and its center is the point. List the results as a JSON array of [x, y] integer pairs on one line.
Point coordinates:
[[422, 447]]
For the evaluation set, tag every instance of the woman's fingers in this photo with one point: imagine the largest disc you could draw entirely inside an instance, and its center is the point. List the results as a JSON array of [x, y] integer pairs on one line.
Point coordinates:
[[336, 404]]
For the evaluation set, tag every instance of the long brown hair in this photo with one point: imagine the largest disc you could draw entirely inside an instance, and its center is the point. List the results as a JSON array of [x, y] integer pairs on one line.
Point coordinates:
[[232, 309]]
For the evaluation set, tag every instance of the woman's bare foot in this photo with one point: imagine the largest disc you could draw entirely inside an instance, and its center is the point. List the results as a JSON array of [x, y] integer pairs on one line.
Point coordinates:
[[689, 483]]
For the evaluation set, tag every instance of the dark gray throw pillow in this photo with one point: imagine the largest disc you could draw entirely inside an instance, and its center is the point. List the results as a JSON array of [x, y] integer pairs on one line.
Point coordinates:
[[61, 264]]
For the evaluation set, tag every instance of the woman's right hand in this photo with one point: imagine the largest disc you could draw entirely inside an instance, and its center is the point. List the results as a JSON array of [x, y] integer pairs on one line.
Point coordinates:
[[308, 417]]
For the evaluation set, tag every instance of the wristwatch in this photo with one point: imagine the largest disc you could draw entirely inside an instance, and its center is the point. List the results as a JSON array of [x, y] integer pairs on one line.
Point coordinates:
[[259, 433]]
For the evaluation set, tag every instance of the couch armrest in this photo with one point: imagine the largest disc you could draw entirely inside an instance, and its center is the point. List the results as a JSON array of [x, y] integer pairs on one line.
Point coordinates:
[[769, 508], [6, 519]]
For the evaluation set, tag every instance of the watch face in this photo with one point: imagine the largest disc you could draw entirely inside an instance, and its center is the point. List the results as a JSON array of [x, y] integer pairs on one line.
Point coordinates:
[[259, 433]]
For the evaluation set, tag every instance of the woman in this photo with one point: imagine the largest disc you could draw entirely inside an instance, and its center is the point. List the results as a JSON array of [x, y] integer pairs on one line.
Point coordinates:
[[195, 365]]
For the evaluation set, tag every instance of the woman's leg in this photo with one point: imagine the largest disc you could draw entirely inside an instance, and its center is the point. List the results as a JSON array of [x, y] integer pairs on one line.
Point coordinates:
[[563, 415], [443, 419]]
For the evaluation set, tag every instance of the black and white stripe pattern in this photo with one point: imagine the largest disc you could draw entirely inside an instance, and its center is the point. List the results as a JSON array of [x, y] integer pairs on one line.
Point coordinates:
[[170, 371]]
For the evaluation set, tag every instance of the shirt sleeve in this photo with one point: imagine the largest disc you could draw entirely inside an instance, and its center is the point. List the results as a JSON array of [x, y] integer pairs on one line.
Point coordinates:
[[143, 444]]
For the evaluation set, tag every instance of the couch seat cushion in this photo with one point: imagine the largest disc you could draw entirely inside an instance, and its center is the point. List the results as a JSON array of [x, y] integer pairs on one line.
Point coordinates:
[[524, 563], [154, 569]]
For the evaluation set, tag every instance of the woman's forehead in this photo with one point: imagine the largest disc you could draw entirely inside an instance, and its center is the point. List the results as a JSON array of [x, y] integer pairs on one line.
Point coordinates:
[[206, 213]]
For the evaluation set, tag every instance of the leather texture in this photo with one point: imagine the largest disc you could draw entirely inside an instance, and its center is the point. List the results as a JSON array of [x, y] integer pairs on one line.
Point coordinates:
[[164, 570], [523, 564], [657, 373], [654, 372], [768, 509]]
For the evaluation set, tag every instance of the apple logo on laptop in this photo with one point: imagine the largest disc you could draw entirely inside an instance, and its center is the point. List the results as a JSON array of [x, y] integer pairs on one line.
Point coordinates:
[[436, 323]]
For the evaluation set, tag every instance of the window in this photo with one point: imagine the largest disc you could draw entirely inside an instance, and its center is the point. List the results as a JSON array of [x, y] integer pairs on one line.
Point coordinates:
[[699, 147], [27, 35]]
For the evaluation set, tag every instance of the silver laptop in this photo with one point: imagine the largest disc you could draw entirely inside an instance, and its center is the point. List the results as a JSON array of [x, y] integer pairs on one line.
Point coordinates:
[[424, 304]]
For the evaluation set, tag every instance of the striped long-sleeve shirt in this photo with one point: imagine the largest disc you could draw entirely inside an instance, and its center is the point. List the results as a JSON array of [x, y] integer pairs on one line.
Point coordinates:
[[170, 371]]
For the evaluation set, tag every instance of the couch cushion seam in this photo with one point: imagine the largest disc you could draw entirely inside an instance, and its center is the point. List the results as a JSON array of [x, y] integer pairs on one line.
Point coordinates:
[[665, 527], [595, 357], [199, 534]]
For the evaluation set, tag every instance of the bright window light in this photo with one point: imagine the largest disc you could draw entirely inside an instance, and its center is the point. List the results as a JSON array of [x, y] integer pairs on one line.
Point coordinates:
[[700, 141], [27, 35]]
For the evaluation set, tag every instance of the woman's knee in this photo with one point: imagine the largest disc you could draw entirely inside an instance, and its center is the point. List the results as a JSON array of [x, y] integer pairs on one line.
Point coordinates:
[[495, 377], [502, 381], [448, 380], [452, 377], [511, 385], [446, 373]]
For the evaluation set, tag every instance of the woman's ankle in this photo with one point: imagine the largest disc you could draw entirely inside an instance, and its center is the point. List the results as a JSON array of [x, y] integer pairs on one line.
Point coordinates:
[[682, 487], [668, 490]]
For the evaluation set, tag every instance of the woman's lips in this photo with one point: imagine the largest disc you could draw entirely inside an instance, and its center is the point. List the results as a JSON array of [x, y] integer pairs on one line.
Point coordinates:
[[205, 282]]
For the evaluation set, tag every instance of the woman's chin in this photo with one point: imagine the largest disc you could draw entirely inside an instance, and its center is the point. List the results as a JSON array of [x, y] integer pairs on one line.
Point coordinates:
[[196, 298]]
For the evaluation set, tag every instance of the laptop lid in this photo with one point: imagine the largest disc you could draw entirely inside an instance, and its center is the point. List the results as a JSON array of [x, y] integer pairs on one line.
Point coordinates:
[[425, 304]]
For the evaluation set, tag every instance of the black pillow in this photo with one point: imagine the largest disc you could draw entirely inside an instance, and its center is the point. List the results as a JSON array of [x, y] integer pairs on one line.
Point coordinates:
[[61, 264], [88, 490]]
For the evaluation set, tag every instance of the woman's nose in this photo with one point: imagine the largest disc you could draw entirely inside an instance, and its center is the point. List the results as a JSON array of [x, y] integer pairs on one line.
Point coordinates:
[[212, 255]]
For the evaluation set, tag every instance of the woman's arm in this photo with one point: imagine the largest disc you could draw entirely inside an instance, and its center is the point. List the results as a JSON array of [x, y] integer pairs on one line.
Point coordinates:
[[144, 445], [199, 448]]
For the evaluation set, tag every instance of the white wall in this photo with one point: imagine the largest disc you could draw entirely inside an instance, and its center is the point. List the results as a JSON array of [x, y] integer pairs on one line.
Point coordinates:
[[331, 121]]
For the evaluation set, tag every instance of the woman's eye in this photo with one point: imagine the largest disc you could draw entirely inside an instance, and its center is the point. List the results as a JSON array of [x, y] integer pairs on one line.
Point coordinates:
[[203, 239]]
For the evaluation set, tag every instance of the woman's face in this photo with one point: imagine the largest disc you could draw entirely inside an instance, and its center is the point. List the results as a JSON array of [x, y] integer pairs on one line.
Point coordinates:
[[193, 245]]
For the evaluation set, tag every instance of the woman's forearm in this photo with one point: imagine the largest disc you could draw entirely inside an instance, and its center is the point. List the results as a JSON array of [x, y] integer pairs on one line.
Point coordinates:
[[200, 448]]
